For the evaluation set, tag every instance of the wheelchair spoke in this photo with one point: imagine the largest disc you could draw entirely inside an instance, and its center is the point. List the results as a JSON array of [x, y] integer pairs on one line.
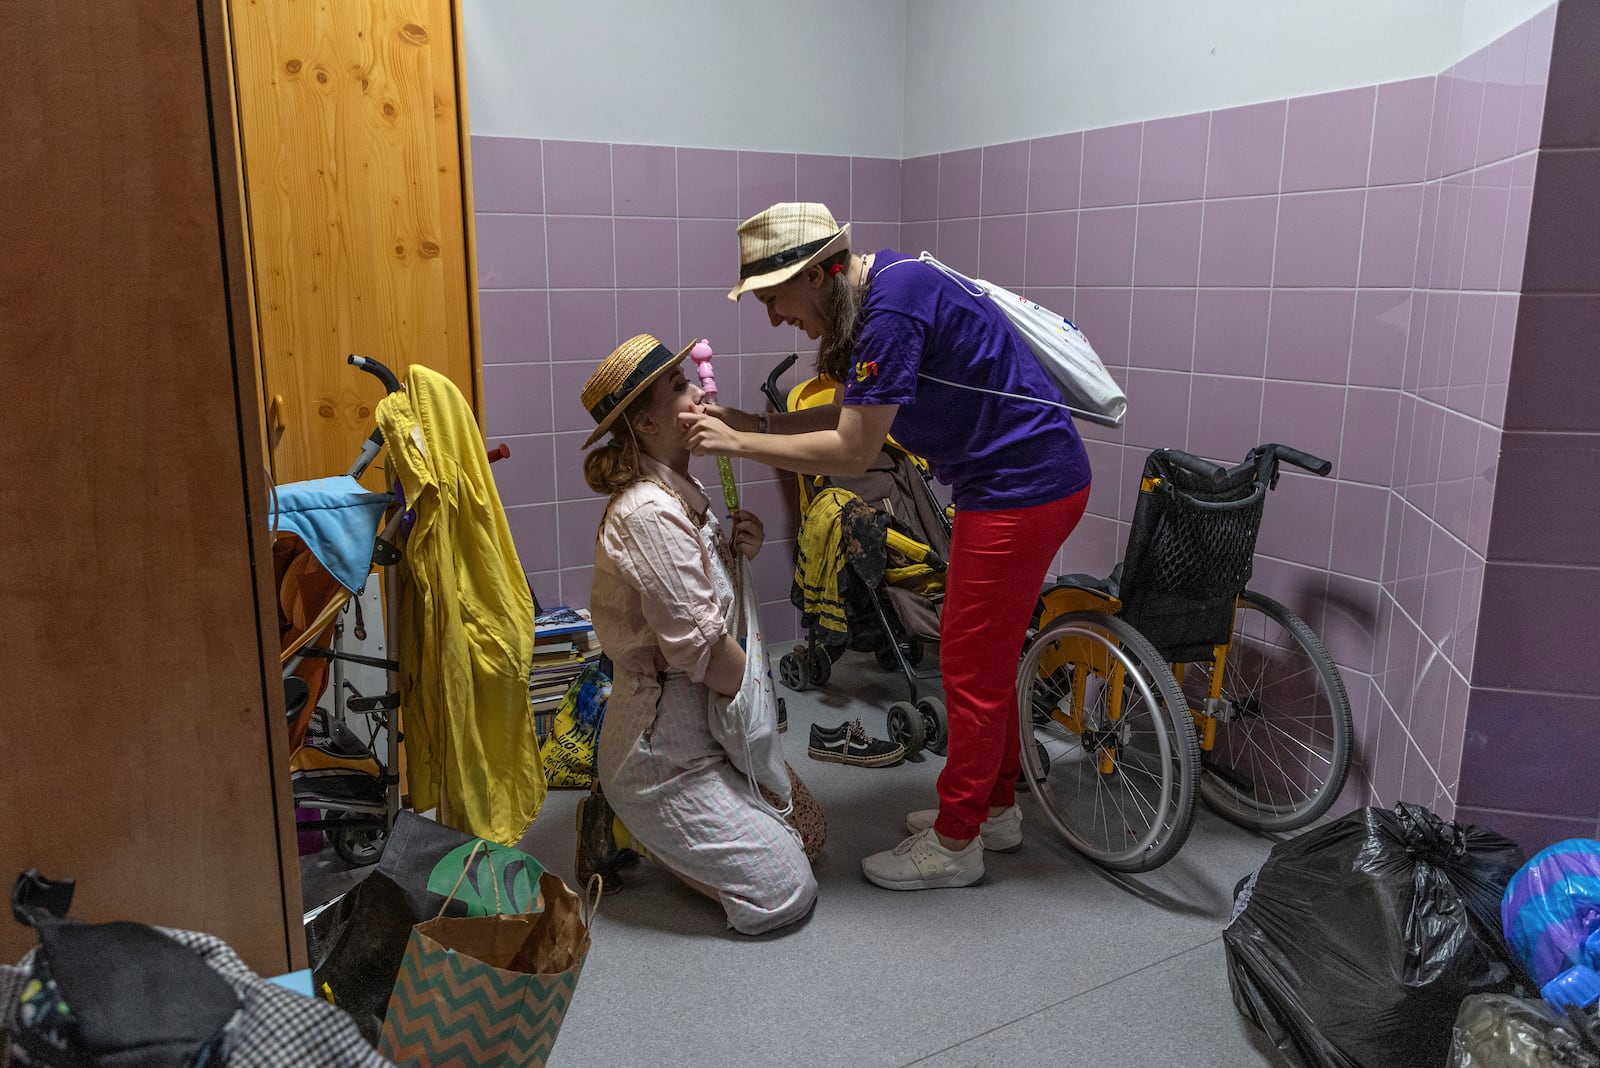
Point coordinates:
[[1120, 789], [1283, 739]]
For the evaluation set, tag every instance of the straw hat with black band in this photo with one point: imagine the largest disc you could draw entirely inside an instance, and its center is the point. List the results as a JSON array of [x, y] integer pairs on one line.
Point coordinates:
[[783, 241], [623, 377]]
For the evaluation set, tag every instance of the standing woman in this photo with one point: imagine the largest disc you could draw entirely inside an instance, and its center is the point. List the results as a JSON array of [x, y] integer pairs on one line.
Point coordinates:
[[662, 599], [941, 369]]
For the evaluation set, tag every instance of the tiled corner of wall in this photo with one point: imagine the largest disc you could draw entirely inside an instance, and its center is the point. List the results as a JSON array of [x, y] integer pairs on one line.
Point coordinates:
[[1342, 272]]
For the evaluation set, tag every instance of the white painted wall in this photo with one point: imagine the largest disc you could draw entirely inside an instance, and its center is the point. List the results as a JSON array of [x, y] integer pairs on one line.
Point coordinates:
[[1006, 70], [823, 76], [1484, 20], [902, 78]]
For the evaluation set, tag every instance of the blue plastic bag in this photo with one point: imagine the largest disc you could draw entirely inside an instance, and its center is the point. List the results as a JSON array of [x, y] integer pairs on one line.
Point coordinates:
[[1552, 907]]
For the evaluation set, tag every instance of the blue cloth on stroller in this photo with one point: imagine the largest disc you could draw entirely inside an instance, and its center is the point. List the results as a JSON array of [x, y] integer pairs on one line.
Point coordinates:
[[337, 518]]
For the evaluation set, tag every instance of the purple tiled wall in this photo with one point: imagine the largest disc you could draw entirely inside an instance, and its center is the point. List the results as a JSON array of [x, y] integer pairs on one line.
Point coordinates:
[[1338, 272], [582, 245], [1530, 760]]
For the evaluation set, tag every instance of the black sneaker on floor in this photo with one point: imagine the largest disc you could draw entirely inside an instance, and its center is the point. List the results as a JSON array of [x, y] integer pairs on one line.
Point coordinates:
[[849, 743]]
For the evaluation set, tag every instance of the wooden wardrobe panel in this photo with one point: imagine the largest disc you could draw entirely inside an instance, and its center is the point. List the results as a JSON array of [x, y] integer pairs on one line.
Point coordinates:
[[353, 145], [140, 734]]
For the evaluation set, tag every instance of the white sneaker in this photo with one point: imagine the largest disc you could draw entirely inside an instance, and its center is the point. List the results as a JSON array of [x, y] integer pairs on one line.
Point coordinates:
[[921, 863], [1001, 833]]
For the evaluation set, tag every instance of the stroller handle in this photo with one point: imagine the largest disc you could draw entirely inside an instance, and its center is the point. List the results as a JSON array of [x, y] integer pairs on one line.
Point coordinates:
[[391, 384], [374, 442], [770, 386]]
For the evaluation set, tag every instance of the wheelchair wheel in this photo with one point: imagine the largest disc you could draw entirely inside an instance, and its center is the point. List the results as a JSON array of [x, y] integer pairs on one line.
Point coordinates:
[[1116, 760], [1282, 748], [1023, 785]]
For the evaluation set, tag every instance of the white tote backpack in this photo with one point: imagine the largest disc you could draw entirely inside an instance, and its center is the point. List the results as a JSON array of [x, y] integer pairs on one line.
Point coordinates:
[[747, 724], [1087, 389]]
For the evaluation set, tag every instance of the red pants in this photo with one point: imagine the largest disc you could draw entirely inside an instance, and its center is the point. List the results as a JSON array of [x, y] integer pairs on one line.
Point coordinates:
[[998, 562]]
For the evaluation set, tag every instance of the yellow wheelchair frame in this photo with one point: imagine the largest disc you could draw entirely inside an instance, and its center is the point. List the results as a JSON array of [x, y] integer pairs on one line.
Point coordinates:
[[1168, 682]]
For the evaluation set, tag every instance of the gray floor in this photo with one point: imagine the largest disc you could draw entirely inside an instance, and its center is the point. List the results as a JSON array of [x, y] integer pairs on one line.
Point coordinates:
[[1049, 961]]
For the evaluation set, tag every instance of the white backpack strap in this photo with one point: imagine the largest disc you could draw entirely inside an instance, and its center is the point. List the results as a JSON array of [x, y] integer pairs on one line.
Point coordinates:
[[972, 288], [997, 392], [951, 273]]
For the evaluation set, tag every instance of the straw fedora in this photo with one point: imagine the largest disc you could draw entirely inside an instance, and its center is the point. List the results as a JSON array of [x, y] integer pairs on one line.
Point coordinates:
[[623, 376], [783, 241]]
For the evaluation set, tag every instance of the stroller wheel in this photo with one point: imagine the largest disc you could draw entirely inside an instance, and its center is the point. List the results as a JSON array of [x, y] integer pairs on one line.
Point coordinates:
[[359, 842], [792, 672], [905, 728], [819, 665], [934, 724]]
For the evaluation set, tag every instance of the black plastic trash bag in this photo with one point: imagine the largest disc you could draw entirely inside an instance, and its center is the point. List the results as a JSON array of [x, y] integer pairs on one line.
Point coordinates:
[[1355, 943]]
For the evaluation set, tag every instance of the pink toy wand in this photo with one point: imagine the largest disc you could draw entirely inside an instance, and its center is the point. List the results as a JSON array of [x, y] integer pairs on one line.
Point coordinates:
[[701, 355]]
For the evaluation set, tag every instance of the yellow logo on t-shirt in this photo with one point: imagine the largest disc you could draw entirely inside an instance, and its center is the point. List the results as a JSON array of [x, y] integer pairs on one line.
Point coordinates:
[[866, 369]]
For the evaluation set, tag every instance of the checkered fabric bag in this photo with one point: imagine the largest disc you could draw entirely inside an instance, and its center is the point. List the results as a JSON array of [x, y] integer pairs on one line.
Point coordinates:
[[277, 1026], [273, 1027]]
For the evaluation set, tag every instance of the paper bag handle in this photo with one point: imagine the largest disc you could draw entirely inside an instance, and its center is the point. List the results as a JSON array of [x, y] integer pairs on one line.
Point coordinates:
[[466, 866], [591, 899]]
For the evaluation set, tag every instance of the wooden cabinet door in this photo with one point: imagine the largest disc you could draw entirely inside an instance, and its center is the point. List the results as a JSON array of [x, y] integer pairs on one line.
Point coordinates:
[[142, 734], [353, 127]]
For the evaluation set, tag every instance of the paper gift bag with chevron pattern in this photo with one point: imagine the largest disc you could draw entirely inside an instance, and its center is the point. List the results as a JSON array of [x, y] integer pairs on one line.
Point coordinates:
[[482, 991]]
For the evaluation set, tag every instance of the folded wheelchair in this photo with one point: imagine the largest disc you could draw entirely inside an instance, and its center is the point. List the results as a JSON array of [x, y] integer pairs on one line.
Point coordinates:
[[1171, 678]]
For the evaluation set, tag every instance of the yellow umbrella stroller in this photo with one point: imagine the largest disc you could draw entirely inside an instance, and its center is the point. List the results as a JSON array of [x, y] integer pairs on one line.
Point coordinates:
[[871, 555]]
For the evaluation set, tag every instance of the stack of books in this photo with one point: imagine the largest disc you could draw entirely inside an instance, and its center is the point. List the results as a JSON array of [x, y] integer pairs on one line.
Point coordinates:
[[564, 644]]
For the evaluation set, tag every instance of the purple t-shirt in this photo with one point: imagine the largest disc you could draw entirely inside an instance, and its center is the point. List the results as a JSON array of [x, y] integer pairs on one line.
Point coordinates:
[[994, 452]]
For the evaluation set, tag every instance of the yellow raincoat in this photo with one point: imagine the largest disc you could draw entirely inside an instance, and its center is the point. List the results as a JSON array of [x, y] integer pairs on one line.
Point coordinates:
[[465, 639]]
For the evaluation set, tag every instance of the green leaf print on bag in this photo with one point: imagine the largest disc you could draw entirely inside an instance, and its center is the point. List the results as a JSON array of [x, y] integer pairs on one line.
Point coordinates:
[[516, 872]]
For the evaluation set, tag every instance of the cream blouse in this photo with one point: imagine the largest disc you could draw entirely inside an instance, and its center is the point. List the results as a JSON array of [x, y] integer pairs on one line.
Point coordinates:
[[661, 597]]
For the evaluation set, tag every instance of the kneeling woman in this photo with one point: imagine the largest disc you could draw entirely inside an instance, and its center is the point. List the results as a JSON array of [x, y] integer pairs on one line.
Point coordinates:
[[661, 602]]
